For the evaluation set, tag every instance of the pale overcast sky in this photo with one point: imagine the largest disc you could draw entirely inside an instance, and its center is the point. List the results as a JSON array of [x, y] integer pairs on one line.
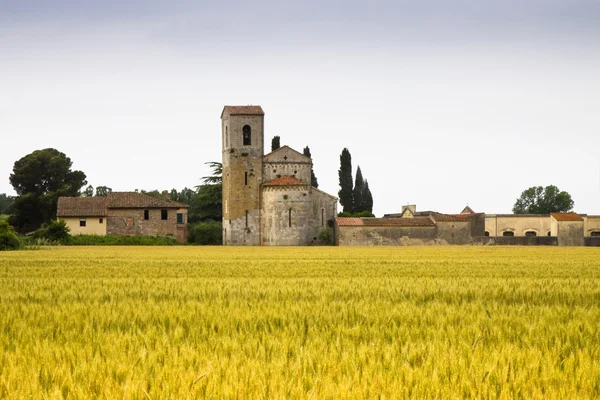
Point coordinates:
[[441, 103]]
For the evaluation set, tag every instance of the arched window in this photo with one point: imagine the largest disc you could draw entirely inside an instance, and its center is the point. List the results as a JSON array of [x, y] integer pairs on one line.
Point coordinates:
[[508, 233], [290, 217], [487, 233], [530, 233], [595, 233], [549, 233], [247, 135], [226, 137]]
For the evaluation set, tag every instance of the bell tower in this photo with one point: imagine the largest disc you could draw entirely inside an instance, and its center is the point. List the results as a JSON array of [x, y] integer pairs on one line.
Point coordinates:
[[242, 134]]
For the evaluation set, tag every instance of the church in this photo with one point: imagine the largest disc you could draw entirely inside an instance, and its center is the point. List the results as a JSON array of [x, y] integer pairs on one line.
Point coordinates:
[[268, 199]]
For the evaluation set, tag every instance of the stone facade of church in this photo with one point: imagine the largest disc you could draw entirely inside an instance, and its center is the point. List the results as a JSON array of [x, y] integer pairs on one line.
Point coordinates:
[[267, 199]]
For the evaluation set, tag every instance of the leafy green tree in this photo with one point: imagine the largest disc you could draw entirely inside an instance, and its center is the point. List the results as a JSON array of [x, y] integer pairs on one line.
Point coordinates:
[[102, 191], [39, 179], [89, 191], [313, 178], [357, 193], [540, 200], [367, 198], [275, 143], [345, 176], [5, 203], [8, 239], [207, 204]]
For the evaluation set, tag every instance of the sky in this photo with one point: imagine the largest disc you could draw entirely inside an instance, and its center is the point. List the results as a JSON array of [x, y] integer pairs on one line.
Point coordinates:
[[442, 103]]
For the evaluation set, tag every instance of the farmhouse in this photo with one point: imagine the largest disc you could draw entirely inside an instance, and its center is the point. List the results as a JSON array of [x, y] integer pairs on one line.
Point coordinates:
[[267, 199], [124, 213]]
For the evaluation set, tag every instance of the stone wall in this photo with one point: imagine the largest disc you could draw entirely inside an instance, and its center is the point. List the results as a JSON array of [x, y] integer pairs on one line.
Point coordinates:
[[273, 170], [570, 233], [287, 216], [454, 232], [130, 221], [517, 240], [242, 179], [386, 236]]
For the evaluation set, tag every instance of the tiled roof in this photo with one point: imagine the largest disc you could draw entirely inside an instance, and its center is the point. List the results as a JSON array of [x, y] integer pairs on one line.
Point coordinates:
[[285, 181], [243, 110], [450, 217], [417, 221], [81, 207], [567, 217], [140, 200]]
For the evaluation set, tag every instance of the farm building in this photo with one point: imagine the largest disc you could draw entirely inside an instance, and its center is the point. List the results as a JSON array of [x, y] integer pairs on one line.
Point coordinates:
[[124, 213]]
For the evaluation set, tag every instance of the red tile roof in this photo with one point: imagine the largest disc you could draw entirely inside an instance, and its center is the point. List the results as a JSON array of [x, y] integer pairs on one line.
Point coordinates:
[[450, 217], [81, 207], [417, 221], [243, 110], [285, 181], [567, 217], [140, 200]]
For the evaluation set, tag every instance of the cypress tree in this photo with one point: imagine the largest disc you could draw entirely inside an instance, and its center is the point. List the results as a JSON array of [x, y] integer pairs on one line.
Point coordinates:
[[345, 175], [313, 178], [275, 143], [367, 198], [357, 193]]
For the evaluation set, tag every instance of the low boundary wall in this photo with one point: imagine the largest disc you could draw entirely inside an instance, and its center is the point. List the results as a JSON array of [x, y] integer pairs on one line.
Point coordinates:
[[517, 240]]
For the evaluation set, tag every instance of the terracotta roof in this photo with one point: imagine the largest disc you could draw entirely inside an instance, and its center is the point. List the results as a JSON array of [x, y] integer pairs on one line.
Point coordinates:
[[567, 217], [81, 207], [140, 200], [417, 221], [243, 110], [285, 181], [450, 217]]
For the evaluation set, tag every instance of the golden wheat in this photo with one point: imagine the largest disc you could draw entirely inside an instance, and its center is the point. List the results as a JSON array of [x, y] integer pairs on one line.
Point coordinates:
[[223, 322]]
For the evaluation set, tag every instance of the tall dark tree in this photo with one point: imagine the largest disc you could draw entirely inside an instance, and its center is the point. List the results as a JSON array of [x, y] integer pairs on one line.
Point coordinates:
[[357, 193], [39, 179], [5, 203], [313, 178], [539, 200], [89, 191], [367, 198], [345, 175], [103, 191], [275, 143]]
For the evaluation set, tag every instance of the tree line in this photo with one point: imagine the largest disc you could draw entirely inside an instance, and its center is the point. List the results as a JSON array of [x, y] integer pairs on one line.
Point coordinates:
[[41, 177]]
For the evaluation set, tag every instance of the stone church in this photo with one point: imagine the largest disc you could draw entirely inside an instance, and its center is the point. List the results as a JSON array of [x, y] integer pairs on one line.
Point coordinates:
[[268, 199]]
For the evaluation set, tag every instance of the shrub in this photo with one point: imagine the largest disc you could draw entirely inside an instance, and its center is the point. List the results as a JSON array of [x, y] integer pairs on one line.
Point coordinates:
[[95, 240], [325, 237], [55, 232], [8, 238], [206, 233]]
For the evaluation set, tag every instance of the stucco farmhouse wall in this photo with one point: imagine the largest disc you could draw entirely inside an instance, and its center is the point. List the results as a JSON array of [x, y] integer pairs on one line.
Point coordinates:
[[93, 225], [497, 224], [591, 225]]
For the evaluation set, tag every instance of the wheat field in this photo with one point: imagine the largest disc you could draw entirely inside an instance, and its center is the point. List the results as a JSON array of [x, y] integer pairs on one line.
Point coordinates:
[[317, 322]]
